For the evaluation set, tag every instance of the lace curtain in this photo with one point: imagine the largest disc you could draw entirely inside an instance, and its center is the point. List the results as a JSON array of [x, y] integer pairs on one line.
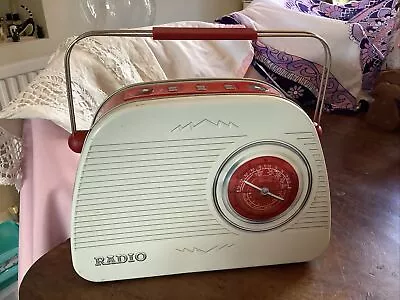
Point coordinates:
[[10, 159]]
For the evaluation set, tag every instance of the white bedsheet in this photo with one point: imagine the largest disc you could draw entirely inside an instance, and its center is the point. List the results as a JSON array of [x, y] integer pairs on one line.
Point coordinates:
[[101, 65]]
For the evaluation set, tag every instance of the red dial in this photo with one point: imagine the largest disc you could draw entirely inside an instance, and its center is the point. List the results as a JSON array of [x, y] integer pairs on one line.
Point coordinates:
[[263, 188]]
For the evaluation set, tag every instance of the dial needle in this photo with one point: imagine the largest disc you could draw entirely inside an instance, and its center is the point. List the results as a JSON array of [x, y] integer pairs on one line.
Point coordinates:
[[264, 191], [275, 196], [253, 186]]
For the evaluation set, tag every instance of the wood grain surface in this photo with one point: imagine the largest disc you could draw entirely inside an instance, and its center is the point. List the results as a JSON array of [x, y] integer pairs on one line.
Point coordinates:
[[362, 261]]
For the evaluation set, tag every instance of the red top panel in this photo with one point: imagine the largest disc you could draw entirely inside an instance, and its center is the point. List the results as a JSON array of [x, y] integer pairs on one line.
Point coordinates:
[[184, 88]]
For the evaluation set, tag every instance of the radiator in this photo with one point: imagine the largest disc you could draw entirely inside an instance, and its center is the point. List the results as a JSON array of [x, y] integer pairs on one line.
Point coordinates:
[[12, 86], [15, 77]]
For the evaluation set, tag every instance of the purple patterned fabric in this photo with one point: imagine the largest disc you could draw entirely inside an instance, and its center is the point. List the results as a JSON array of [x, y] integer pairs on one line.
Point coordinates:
[[376, 17], [305, 73], [371, 58], [298, 77], [372, 22]]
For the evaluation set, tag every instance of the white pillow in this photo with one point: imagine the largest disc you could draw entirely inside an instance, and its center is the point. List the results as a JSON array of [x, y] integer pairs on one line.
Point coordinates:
[[272, 15]]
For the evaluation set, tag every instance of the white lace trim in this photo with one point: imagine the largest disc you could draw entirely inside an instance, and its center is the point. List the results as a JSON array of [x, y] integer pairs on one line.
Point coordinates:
[[98, 69], [99, 66], [10, 159], [102, 65]]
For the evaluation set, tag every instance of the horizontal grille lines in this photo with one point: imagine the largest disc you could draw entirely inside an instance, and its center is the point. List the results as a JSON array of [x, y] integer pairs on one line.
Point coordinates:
[[90, 158], [144, 188], [149, 180], [152, 216], [144, 223], [145, 163], [140, 195], [132, 200], [142, 204], [159, 209], [153, 176], [133, 171], [118, 178], [155, 238], [169, 142], [316, 216], [146, 191], [148, 235], [197, 145], [168, 229]]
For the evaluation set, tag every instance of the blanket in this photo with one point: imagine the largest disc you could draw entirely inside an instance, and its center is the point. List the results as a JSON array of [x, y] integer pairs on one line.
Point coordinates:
[[373, 26], [102, 65], [358, 34]]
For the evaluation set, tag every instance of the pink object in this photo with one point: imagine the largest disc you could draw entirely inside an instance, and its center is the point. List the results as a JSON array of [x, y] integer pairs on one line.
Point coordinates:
[[49, 168]]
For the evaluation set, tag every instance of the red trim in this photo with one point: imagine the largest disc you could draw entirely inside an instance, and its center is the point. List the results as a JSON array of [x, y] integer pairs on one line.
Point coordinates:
[[181, 33], [76, 140], [319, 130], [185, 88]]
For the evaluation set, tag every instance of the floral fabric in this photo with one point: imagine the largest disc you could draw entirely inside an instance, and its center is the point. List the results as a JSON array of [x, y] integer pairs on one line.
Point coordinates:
[[371, 23]]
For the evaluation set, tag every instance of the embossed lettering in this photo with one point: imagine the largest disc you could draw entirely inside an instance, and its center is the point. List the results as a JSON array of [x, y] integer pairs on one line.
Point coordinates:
[[122, 259], [99, 261], [131, 257], [111, 260], [141, 256]]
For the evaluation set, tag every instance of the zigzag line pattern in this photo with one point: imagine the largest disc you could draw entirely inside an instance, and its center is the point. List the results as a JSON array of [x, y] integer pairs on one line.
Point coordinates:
[[215, 248], [191, 125]]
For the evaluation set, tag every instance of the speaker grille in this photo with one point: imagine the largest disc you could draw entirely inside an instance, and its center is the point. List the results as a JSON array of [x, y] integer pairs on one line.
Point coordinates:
[[147, 191], [318, 214]]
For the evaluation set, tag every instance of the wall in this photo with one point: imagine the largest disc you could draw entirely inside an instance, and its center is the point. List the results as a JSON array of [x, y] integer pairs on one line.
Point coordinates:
[[63, 19], [205, 10]]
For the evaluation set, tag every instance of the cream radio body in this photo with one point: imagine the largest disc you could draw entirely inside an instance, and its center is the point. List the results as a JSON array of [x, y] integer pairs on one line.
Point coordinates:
[[198, 182]]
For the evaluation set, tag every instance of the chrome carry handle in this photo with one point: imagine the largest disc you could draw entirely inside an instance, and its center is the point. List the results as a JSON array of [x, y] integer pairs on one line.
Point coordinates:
[[192, 33]]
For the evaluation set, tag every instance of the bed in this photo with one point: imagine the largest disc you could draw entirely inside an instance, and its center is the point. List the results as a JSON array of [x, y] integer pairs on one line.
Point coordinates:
[[102, 65]]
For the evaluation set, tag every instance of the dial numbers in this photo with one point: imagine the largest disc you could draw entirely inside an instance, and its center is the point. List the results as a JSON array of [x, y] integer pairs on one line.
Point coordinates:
[[263, 188]]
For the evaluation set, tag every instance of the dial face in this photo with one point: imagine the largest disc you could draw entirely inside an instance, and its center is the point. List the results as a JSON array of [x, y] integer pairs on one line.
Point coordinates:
[[263, 188]]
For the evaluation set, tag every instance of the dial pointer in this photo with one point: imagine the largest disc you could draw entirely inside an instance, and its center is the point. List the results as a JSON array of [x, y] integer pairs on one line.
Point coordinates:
[[253, 186], [264, 191], [275, 196]]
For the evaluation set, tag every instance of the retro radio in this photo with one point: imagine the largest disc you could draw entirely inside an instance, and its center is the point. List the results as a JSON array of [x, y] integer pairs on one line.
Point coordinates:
[[197, 175]]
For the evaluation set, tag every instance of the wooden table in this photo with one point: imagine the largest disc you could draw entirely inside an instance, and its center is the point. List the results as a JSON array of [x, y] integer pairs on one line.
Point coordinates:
[[362, 261]]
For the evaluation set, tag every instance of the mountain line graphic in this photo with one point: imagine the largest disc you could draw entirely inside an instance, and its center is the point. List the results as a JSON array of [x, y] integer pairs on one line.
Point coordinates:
[[192, 125], [215, 248]]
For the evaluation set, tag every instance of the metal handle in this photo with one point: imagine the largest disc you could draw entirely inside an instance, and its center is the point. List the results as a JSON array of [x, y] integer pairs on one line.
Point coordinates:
[[184, 33]]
